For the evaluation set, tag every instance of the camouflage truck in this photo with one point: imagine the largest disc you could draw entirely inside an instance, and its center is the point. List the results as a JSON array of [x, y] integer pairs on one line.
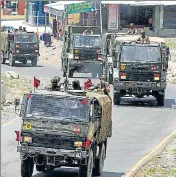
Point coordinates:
[[64, 129], [81, 52], [140, 68], [19, 46]]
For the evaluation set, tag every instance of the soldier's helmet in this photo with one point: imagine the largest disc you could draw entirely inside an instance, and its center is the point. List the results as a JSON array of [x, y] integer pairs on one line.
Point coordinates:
[[132, 25], [76, 84], [143, 33], [54, 81], [102, 77]]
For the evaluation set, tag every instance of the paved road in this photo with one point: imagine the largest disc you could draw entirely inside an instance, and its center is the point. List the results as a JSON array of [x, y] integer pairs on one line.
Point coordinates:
[[137, 128]]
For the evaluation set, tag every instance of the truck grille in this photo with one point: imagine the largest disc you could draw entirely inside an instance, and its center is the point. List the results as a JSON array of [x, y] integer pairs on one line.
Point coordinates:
[[140, 76], [54, 141]]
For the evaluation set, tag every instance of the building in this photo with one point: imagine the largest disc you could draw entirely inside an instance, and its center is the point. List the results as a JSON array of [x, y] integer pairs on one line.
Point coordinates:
[[35, 12], [11, 10], [162, 14]]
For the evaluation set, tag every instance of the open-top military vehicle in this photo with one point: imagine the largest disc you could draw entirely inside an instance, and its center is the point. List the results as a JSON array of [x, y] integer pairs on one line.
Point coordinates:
[[81, 52], [19, 46], [140, 68], [68, 128]]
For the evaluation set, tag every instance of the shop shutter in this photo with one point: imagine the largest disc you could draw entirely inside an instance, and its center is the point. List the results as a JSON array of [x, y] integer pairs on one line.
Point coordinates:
[[169, 17]]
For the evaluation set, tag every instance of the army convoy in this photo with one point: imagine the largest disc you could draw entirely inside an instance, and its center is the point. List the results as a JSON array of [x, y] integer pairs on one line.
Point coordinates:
[[19, 46], [69, 128]]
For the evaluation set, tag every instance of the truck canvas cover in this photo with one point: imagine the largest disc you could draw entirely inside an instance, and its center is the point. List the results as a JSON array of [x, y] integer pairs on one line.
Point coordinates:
[[106, 105]]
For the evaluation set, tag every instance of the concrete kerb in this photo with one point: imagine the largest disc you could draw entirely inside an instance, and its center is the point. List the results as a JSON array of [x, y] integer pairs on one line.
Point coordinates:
[[156, 151]]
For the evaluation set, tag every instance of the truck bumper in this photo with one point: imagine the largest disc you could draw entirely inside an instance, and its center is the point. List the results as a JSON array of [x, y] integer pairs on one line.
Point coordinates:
[[77, 154], [125, 85], [25, 56]]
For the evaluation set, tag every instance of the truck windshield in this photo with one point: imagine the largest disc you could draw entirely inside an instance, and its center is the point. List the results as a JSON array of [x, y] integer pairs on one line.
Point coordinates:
[[87, 41], [25, 37], [90, 69], [140, 53], [39, 106]]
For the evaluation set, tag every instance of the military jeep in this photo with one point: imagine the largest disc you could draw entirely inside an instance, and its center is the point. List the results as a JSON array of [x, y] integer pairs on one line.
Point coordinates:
[[140, 69], [64, 129]]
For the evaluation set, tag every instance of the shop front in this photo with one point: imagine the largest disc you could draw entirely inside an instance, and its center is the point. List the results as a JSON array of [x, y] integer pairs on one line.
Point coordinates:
[[56, 15]]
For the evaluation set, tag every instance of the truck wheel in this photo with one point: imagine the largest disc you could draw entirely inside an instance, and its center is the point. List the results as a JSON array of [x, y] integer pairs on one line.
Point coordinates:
[[11, 60], [117, 98], [40, 168], [86, 170], [99, 163], [160, 99], [27, 167], [3, 60], [34, 61]]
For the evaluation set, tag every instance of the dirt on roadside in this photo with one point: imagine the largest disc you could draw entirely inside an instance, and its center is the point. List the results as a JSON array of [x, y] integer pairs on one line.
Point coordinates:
[[162, 165], [51, 55]]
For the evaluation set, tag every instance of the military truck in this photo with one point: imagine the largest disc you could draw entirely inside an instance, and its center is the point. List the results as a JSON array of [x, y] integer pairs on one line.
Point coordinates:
[[140, 68], [68, 128], [81, 52], [19, 46]]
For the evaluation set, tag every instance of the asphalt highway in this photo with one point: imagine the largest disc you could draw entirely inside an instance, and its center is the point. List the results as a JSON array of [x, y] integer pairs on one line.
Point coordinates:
[[137, 129]]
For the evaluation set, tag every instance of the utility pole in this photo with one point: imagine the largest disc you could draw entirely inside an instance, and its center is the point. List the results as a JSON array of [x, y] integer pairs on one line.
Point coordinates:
[[37, 21]]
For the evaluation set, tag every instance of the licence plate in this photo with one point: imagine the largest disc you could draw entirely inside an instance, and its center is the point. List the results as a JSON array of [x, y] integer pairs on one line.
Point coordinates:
[[78, 154], [51, 150]]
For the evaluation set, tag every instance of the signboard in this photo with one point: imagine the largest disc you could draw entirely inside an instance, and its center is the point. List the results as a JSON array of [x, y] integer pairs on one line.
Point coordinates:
[[113, 17], [52, 11], [80, 7]]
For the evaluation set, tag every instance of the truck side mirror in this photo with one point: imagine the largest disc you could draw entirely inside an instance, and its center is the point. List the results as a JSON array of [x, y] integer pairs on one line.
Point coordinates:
[[17, 104]]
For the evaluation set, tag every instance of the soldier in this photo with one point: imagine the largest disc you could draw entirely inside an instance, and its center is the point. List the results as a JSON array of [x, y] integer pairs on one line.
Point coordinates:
[[20, 28], [143, 38], [54, 84], [132, 30], [76, 85], [24, 29]]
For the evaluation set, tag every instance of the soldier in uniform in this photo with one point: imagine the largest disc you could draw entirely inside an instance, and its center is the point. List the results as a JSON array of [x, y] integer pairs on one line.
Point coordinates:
[[24, 29], [55, 86], [143, 38], [132, 30], [76, 85]]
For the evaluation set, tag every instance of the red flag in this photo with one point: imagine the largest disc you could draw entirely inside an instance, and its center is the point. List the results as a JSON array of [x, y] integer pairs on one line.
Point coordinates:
[[36, 82], [17, 135], [2, 3]]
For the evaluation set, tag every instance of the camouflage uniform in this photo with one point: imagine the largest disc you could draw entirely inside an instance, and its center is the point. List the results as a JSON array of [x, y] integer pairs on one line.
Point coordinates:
[[54, 84]]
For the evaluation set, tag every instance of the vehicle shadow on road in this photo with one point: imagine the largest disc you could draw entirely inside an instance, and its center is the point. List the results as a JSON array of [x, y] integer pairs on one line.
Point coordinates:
[[70, 172], [147, 103], [24, 65]]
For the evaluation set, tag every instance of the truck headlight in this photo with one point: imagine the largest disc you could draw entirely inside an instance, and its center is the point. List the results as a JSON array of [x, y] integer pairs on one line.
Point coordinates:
[[76, 57], [27, 139], [78, 144]]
